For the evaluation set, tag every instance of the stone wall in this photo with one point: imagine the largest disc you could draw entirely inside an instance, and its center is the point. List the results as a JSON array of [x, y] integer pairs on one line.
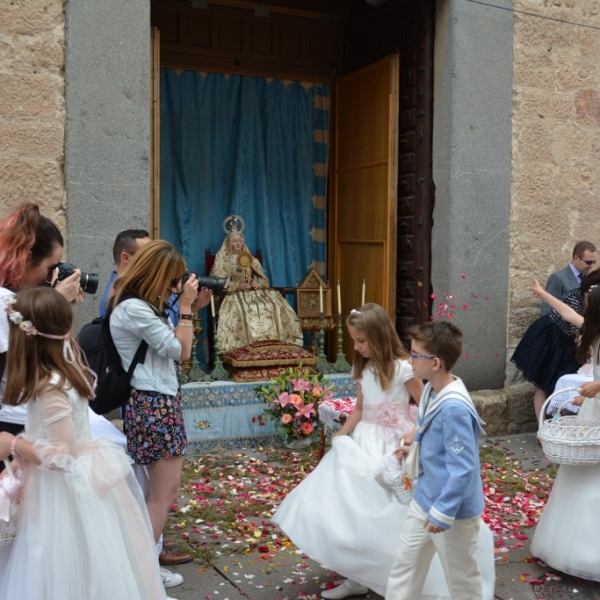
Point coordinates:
[[32, 106], [555, 190]]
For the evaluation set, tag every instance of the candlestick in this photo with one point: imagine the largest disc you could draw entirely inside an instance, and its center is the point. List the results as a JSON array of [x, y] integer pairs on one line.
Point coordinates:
[[364, 288], [196, 373], [341, 364], [322, 365], [219, 372], [212, 305], [339, 298], [321, 298]]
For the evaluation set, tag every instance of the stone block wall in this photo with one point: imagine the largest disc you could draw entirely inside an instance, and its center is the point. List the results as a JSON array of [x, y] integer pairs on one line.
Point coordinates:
[[32, 106], [555, 190]]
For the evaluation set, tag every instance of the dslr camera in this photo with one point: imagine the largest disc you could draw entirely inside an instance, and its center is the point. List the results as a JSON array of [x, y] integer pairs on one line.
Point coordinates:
[[216, 284], [88, 282]]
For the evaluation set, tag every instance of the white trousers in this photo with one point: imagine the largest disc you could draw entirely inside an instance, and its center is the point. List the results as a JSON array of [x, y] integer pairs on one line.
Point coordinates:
[[456, 547]]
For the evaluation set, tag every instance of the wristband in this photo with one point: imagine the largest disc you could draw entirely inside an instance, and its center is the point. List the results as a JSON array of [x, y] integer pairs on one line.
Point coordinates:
[[13, 446], [186, 316], [185, 325]]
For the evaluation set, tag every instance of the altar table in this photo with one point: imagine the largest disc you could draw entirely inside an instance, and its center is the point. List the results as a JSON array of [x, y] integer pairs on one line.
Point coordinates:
[[219, 414]]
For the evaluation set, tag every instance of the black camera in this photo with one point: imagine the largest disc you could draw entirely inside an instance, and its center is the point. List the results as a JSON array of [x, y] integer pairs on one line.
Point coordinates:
[[88, 282], [216, 284]]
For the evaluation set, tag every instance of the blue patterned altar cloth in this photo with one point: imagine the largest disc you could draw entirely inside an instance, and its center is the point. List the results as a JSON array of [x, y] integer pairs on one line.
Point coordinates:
[[218, 415]]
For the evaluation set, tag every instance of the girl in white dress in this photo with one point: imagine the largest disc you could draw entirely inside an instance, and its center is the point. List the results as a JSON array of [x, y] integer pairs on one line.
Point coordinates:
[[566, 536], [343, 515], [84, 530]]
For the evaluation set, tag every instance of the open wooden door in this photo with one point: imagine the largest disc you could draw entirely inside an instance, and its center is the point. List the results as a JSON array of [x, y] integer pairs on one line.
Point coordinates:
[[364, 179]]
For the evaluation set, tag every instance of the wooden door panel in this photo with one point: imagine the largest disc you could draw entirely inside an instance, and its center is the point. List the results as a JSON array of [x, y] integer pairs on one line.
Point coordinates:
[[364, 183], [361, 260], [359, 220]]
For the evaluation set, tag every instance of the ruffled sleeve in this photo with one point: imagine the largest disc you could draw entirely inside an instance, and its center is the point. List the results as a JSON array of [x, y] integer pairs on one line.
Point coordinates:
[[404, 370], [59, 450]]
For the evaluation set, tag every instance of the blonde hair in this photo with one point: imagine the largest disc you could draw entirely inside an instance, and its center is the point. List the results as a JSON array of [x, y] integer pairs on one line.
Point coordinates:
[[384, 343], [153, 269], [33, 359]]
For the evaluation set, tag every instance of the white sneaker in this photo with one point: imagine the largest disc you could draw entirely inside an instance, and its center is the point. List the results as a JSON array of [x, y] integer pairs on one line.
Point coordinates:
[[345, 589], [169, 578]]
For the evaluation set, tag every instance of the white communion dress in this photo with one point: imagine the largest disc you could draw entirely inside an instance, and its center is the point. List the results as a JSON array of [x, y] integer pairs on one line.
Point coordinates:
[[345, 517], [567, 534], [84, 529]]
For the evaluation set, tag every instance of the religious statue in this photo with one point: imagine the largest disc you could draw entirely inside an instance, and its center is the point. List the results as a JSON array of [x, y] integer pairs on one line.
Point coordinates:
[[251, 311]]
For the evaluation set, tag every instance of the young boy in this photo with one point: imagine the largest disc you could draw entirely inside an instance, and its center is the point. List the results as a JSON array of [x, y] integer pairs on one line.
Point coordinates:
[[443, 516]]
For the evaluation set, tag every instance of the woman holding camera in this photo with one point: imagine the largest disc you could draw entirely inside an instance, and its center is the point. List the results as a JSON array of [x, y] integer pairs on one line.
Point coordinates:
[[31, 246], [153, 417]]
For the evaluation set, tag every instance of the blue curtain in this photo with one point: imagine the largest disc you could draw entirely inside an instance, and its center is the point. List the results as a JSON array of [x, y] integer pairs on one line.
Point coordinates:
[[249, 146]]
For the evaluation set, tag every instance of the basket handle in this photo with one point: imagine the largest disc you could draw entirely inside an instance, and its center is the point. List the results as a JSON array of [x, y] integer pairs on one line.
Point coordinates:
[[543, 411]]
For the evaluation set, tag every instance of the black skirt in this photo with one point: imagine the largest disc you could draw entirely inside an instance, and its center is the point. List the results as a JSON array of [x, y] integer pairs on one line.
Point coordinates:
[[545, 354]]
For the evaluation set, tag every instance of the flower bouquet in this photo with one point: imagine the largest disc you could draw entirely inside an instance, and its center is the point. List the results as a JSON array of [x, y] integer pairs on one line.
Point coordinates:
[[292, 402]]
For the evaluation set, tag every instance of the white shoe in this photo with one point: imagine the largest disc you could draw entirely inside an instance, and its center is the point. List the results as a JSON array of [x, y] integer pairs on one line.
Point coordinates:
[[345, 589], [169, 578]]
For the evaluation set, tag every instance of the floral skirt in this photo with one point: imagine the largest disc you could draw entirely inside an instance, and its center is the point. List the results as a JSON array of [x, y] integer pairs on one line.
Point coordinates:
[[154, 427]]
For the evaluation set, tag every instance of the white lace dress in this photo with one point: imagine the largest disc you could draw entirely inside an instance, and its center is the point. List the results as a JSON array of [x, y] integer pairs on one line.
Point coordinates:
[[84, 530], [345, 517], [567, 534]]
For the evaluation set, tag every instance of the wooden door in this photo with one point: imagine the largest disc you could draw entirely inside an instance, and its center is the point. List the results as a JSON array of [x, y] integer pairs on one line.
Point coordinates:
[[363, 207]]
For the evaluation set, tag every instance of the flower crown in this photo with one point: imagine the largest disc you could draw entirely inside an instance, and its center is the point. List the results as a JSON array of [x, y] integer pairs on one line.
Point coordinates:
[[27, 326]]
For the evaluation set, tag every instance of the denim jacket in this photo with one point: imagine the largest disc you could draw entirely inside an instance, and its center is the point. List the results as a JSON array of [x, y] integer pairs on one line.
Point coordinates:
[[133, 321]]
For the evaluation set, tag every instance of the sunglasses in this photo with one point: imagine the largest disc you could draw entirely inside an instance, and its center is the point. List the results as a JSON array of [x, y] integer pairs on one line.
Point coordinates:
[[589, 263]]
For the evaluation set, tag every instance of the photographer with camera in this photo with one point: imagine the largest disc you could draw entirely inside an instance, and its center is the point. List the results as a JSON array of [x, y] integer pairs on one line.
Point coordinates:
[[127, 243], [31, 248], [153, 416]]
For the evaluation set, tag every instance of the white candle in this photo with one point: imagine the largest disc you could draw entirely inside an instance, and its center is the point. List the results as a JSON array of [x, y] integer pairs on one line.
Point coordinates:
[[321, 298], [339, 298], [212, 305], [364, 289]]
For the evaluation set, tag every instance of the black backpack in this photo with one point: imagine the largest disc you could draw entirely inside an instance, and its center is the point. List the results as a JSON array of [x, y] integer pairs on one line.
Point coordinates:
[[113, 388]]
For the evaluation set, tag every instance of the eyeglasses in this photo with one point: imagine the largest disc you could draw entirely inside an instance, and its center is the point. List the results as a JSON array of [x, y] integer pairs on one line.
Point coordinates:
[[415, 356]]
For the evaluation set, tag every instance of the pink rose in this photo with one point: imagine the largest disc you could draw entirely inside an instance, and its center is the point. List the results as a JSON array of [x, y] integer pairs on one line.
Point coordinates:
[[285, 419], [296, 399], [307, 428]]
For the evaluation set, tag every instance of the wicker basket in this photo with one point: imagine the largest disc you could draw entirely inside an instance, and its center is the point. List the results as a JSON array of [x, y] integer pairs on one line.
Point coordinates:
[[8, 529], [404, 493], [394, 475], [569, 440]]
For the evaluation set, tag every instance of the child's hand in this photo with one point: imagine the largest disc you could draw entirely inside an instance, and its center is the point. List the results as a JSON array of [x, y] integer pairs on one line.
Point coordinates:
[[431, 527], [401, 451], [589, 390], [537, 289]]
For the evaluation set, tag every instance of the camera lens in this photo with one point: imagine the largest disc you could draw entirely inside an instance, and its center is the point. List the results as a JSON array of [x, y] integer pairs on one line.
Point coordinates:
[[88, 281]]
